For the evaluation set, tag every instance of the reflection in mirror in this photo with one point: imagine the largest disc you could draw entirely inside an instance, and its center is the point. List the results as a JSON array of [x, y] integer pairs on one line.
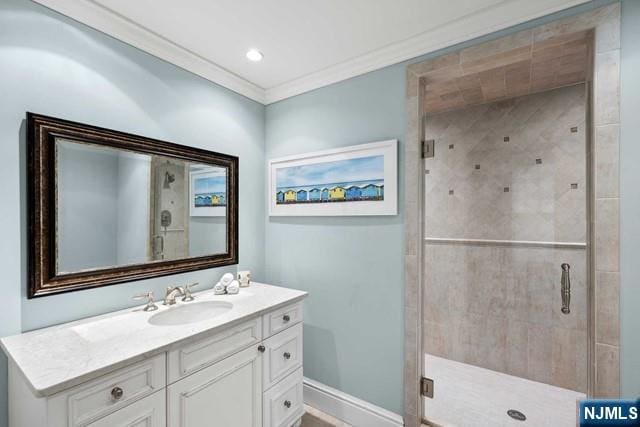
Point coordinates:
[[117, 207]]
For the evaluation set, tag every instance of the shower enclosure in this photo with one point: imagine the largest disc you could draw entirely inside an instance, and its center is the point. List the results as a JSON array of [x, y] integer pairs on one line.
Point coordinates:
[[505, 260], [511, 198]]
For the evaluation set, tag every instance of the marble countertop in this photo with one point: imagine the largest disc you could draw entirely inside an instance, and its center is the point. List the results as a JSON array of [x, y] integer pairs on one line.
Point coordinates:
[[58, 357]]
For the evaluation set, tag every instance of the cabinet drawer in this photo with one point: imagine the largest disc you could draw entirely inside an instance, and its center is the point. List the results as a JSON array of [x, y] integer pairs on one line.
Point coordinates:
[[282, 404], [283, 355], [148, 412], [88, 402], [281, 319], [194, 356]]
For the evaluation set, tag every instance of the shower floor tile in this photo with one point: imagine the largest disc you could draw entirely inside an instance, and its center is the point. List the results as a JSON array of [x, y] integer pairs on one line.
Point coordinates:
[[469, 396]]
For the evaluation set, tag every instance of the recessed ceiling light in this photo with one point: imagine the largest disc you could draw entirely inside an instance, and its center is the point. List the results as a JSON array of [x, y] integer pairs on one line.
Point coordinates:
[[254, 55]]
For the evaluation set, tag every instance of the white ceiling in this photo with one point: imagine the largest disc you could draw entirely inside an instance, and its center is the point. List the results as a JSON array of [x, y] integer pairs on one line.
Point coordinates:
[[306, 43]]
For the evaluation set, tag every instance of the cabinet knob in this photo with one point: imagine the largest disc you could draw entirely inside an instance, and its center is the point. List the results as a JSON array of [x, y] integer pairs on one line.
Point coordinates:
[[261, 348], [286, 318], [117, 393], [287, 404], [287, 355]]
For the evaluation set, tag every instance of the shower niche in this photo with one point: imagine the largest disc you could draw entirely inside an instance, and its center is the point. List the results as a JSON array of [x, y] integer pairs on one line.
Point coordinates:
[[108, 207]]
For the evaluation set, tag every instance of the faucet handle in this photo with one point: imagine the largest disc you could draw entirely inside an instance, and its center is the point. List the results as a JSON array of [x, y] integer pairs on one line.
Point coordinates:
[[151, 306], [187, 292]]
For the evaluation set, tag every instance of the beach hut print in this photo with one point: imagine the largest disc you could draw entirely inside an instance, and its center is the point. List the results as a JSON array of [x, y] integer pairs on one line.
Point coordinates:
[[301, 196], [221, 199], [289, 196], [337, 193], [280, 197], [353, 192], [370, 191], [324, 195], [381, 190], [314, 194]]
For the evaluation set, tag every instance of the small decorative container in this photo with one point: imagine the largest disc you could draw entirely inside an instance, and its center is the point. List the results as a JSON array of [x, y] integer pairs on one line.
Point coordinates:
[[244, 277]]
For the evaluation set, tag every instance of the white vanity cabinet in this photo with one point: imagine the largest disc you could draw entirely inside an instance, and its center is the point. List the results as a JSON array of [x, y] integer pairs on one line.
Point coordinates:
[[248, 374]]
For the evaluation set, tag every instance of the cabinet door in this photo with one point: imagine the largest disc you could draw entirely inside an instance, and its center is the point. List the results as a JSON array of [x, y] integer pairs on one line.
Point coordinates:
[[228, 393], [148, 412]]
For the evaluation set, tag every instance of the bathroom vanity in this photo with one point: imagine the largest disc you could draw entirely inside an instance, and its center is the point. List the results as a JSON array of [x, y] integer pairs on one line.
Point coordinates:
[[237, 365]]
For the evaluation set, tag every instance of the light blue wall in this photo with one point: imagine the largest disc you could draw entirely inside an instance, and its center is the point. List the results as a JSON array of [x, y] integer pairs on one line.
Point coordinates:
[[630, 200], [351, 266], [52, 65]]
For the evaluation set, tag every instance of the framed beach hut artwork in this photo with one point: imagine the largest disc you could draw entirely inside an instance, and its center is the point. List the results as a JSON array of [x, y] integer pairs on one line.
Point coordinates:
[[355, 180], [207, 191]]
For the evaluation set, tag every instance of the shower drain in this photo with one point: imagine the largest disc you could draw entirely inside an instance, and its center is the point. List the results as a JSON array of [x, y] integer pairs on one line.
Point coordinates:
[[516, 415]]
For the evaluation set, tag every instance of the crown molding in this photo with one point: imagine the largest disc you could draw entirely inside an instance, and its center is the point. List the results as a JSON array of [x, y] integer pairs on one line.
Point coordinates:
[[503, 15], [499, 17], [115, 25]]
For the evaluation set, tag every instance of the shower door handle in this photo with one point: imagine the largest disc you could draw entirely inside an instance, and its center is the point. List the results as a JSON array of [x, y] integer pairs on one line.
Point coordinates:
[[565, 288]]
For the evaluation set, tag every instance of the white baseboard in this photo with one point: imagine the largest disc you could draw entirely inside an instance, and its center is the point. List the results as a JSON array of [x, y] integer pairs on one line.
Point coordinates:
[[347, 408]]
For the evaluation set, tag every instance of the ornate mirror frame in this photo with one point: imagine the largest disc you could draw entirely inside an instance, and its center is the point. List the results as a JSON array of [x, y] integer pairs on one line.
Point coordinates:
[[42, 132]]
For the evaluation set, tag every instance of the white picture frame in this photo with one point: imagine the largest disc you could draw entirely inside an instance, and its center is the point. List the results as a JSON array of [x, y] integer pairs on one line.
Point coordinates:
[[331, 163], [205, 211]]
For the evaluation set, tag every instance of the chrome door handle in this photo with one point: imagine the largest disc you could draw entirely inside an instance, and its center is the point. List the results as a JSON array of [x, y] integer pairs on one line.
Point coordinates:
[[565, 288]]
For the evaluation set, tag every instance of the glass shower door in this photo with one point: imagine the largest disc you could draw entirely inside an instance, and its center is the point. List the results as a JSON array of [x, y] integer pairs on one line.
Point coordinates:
[[505, 276]]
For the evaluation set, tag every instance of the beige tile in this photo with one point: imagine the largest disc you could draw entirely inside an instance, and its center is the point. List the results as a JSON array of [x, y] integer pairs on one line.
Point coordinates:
[[607, 371], [572, 24], [608, 31], [412, 142], [444, 61], [607, 235], [316, 418], [412, 234], [413, 84], [521, 39], [501, 59], [516, 348], [607, 308], [540, 352], [566, 346], [607, 88], [607, 161], [413, 174], [411, 280]]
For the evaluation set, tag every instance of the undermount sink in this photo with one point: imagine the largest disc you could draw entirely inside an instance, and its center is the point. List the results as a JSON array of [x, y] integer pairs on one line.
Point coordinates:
[[190, 313]]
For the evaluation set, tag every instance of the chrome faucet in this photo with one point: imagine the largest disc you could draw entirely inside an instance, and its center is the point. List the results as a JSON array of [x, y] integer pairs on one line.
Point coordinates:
[[172, 293]]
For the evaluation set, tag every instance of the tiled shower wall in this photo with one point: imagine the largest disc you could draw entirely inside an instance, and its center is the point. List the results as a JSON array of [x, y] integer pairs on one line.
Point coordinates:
[[515, 172]]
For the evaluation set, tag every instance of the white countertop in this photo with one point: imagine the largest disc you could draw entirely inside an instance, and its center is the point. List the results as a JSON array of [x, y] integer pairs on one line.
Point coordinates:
[[56, 358]]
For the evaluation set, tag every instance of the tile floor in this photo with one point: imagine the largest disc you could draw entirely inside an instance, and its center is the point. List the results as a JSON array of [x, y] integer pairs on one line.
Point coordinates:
[[467, 395], [316, 418]]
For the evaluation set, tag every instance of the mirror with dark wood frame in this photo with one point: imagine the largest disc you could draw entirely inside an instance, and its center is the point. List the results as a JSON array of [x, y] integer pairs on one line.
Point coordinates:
[[108, 207]]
